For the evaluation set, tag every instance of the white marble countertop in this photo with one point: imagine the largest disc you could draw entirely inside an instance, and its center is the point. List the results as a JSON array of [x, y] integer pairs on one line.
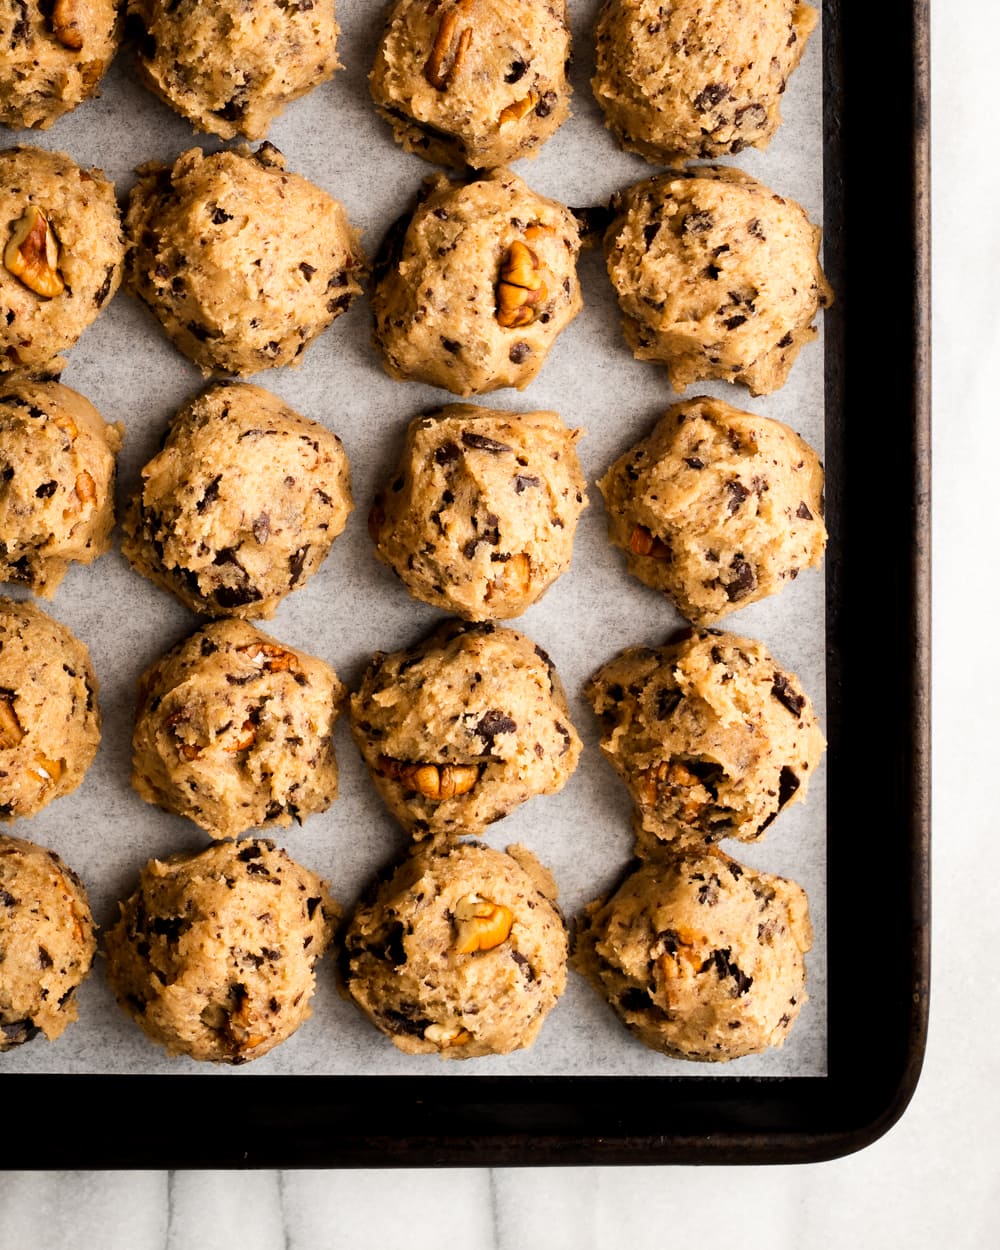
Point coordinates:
[[934, 1179]]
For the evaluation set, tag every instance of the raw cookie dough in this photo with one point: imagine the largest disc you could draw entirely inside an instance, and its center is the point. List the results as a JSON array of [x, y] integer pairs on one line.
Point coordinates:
[[695, 79], [460, 729], [700, 957], [47, 942], [474, 288], [242, 263], [716, 276], [480, 516], [50, 724], [230, 67], [61, 235], [460, 952], [716, 507], [712, 738], [234, 731], [473, 82], [213, 955], [57, 482], [241, 505], [54, 57]]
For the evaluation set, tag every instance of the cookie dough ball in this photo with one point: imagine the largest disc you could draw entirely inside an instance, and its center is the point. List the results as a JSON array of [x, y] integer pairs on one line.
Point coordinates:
[[57, 483], [50, 724], [476, 286], [480, 516], [230, 67], [710, 735], [47, 942], [234, 730], [716, 277], [54, 57], [460, 729], [473, 82], [242, 263], [700, 957], [62, 255], [716, 507], [241, 505], [461, 952], [694, 80], [213, 956]]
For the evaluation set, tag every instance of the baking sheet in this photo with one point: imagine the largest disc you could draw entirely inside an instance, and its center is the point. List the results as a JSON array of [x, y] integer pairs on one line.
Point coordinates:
[[354, 605]]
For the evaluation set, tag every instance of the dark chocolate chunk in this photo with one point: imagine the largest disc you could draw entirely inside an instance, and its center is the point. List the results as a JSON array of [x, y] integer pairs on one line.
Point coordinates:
[[493, 723], [711, 95], [479, 442], [737, 494], [787, 695]]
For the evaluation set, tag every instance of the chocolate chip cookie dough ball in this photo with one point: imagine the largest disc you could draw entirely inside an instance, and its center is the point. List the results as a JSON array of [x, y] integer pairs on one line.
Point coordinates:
[[62, 255], [693, 80], [480, 516], [241, 505], [461, 952], [213, 956], [50, 724], [242, 263], [700, 957], [475, 288], [460, 729], [473, 82], [716, 507], [716, 277], [54, 57], [57, 480], [234, 731], [710, 735]]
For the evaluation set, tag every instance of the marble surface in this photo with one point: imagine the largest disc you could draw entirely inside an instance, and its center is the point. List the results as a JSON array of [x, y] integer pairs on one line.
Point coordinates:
[[934, 1179]]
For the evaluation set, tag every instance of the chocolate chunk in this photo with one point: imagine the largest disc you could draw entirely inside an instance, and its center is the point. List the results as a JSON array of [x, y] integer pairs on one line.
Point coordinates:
[[787, 695], [732, 323], [693, 462], [523, 480], [392, 945], [519, 353], [697, 223], [635, 1000], [262, 528], [236, 596], [296, 562], [667, 701], [546, 104], [448, 453], [493, 723], [479, 442], [6, 898], [220, 216], [711, 95], [101, 294], [516, 72], [47, 490], [451, 346], [743, 581], [803, 513], [737, 494], [788, 783], [650, 232], [756, 229], [18, 1032]]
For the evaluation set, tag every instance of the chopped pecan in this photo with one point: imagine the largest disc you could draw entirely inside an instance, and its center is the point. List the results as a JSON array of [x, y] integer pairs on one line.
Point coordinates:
[[65, 423], [11, 732], [248, 733], [481, 924], [266, 655], [520, 287], [65, 22], [513, 579], [678, 779], [683, 958], [450, 47], [643, 542], [520, 108], [32, 254], [86, 491], [445, 1035], [46, 771], [433, 781]]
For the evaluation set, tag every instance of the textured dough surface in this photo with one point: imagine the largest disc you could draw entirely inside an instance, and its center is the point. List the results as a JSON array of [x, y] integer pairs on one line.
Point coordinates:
[[80, 207], [235, 731], [436, 295], [57, 483], [242, 263], [407, 964], [716, 507], [696, 78], [213, 956], [473, 82], [50, 723], [476, 698], [710, 735], [480, 515], [700, 957], [716, 275], [47, 942], [241, 505], [53, 60]]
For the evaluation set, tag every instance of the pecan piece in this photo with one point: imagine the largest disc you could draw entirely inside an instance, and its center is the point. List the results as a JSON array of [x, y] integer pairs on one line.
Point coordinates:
[[45, 771], [445, 1035], [32, 254], [678, 780], [643, 542], [248, 733], [11, 732], [520, 108], [86, 490], [266, 655], [434, 781], [448, 52], [481, 924], [520, 287], [65, 23], [514, 578], [65, 423]]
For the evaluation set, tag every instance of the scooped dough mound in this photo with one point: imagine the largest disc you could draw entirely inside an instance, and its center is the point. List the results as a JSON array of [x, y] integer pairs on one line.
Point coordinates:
[[50, 724], [54, 57], [473, 82], [57, 481], [461, 952], [47, 942], [474, 288], [230, 67], [62, 256], [700, 957], [213, 956], [716, 507], [716, 276], [234, 730], [480, 516], [460, 729], [241, 505], [694, 79], [242, 263], [710, 735]]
